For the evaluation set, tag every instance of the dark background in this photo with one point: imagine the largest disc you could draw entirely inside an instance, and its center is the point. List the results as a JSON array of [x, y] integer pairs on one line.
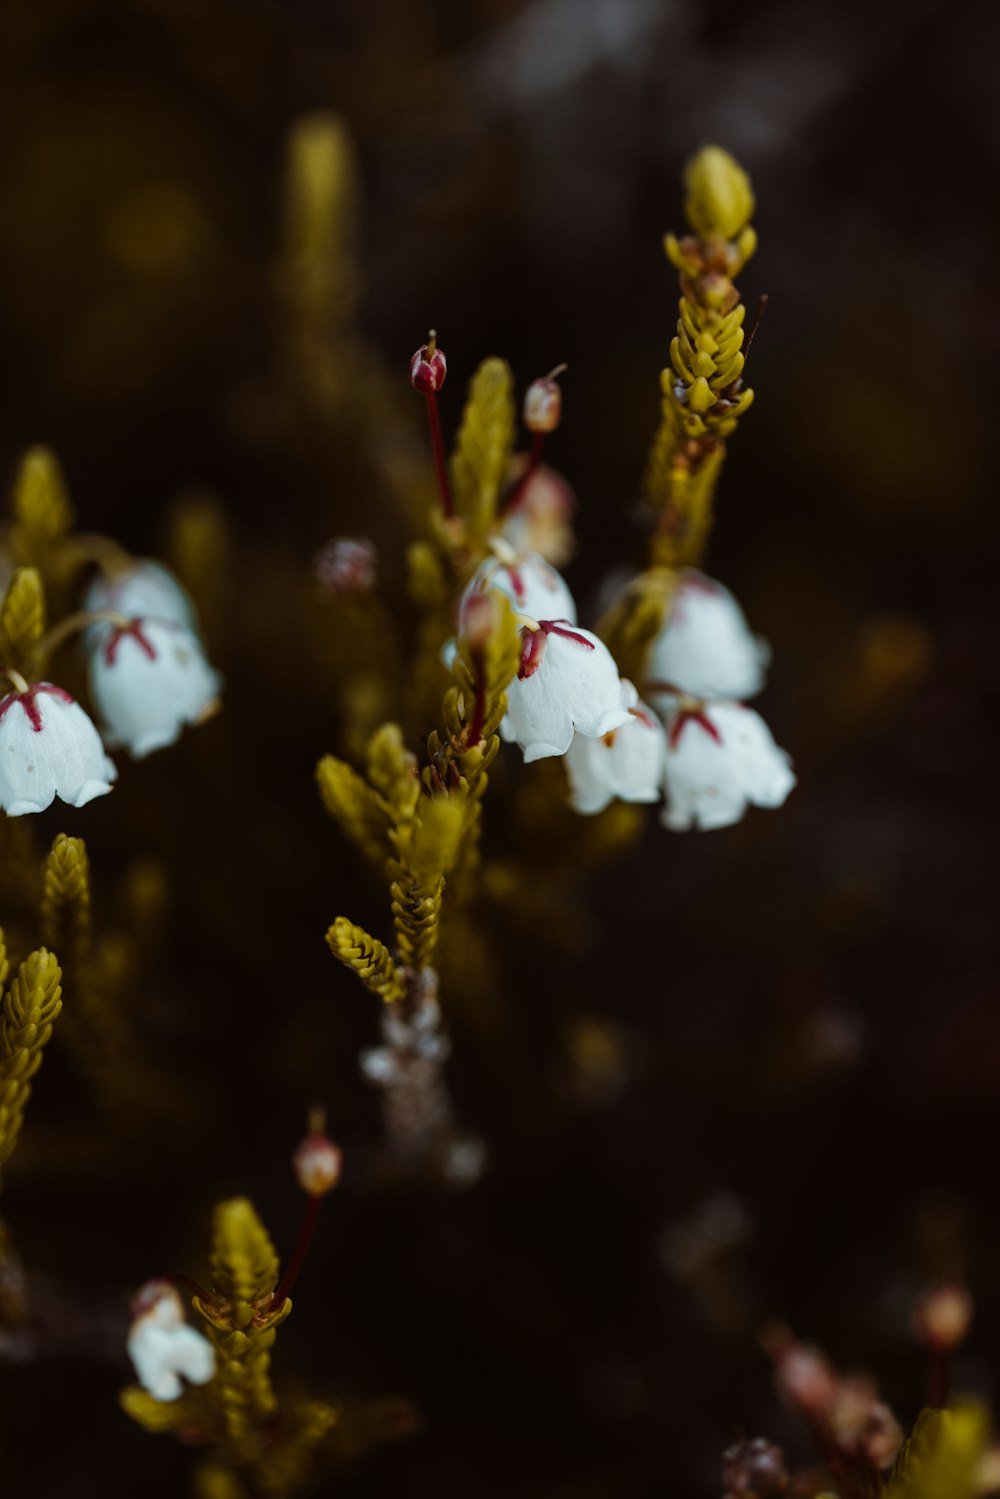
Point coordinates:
[[799, 1113]]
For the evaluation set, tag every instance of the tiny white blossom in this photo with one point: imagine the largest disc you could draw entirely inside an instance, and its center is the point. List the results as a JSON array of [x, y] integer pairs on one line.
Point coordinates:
[[567, 682], [532, 586], [721, 759], [149, 678], [706, 647], [145, 590], [49, 748], [163, 1347], [627, 763], [542, 519]]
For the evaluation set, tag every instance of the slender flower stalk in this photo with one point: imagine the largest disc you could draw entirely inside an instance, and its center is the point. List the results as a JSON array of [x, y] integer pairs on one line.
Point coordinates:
[[428, 368], [542, 411]]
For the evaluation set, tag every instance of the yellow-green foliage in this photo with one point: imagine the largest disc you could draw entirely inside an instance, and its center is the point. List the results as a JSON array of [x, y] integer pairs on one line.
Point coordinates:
[[22, 619], [66, 898], [942, 1457], [353, 804], [483, 447], [42, 512], [425, 850], [30, 1008], [241, 1321], [473, 706], [702, 398], [368, 958], [321, 212], [631, 623]]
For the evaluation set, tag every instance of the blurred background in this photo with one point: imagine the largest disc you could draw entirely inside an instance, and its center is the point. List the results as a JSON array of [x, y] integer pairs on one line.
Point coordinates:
[[752, 1073]]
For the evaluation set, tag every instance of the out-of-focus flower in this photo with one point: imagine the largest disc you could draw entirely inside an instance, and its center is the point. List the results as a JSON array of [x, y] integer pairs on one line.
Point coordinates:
[[162, 1346], [542, 405], [721, 759], [317, 1163], [49, 748], [567, 682], [706, 647], [802, 1374], [943, 1316], [149, 678], [533, 587], [542, 520], [145, 590], [754, 1470], [346, 565], [861, 1424], [627, 763]]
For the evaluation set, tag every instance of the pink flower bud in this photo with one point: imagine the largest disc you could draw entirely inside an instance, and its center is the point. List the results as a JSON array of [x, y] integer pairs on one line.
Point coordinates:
[[943, 1317], [479, 617], [346, 565], [317, 1164], [542, 406], [428, 368]]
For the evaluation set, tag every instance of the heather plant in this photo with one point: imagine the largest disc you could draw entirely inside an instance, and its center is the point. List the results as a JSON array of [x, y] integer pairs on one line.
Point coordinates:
[[486, 742]]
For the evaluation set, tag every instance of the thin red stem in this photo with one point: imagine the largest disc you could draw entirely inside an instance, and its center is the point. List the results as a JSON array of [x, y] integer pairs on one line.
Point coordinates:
[[299, 1253], [192, 1286], [479, 707], [938, 1378], [516, 493], [440, 464]]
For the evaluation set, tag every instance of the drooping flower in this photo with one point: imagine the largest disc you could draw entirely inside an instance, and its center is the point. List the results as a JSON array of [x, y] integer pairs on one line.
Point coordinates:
[[150, 677], [346, 566], [627, 763], [567, 682], [721, 759], [542, 520], [49, 748], [706, 647], [533, 587], [163, 1347], [145, 590]]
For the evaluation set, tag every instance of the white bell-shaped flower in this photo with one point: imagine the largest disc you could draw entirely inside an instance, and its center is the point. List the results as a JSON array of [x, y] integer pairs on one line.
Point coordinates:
[[627, 763], [567, 682], [542, 519], [49, 748], [149, 678], [532, 586], [706, 647], [163, 1347], [721, 759], [145, 590]]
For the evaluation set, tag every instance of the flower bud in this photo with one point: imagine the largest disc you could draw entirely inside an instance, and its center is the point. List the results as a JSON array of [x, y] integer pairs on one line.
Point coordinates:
[[943, 1316], [542, 406], [428, 368], [719, 196], [346, 566], [317, 1164]]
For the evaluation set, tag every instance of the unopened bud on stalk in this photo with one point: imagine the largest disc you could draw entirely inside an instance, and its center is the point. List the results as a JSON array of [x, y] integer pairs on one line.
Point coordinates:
[[719, 196], [754, 1470], [943, 1316], [802, 1374], [543, 404], [317, 1160], [428, 368], [480, 617]]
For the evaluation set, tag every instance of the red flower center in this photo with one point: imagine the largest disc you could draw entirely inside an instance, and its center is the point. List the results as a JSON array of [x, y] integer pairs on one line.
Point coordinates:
[[27, 700], [136, 628]]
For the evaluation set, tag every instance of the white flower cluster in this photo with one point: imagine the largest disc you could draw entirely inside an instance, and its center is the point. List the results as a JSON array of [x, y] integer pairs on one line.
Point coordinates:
[[702, 750], [163, 1348], [148, 674]]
